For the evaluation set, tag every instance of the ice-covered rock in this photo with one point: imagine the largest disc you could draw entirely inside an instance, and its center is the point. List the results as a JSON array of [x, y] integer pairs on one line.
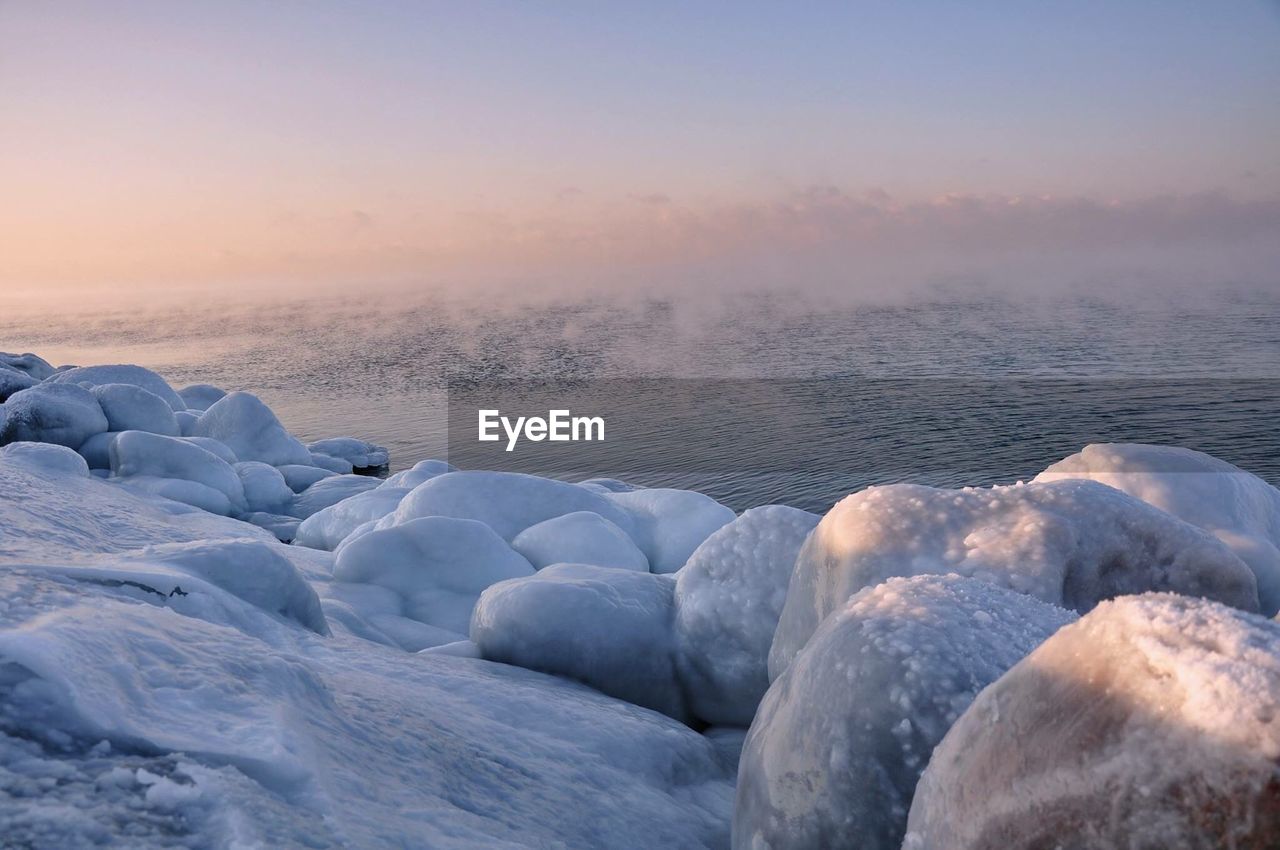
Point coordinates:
[[121, 374], [37, 367], [1237, 507], [728, 599], [251, 430], [47, 458], [336, 465], [1153, 722], [668, 525], [300, 477], [137, 454], [97, 449], [358, 453], [216, 447], [264, 487], [507, 502], [328, 527], [580, 537], [438, 566], [841, 738], [421, 471], [200, 396], [607, 485], [186, 420], [52, 413], [284, 528], [330, 491], [132, 408], [606, 627], [14, 380], [1069, 543]]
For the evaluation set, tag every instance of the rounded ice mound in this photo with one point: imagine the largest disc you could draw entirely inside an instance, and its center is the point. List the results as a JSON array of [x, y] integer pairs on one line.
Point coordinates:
[[13, 380], [1237, 507], [138, 453], [249, 428], [670, 524], [47, 458], [841, 738], [330, 491], [333, 464], [132, 408], [328, 527], [121, 374], [1153, 722], [728, 600], [211, 445], [300, 477], [581, 537], [30, 364], [358, 453], [437, 565], [97, 449], [200, 396], [608, 628], [1069, 543], [186, 420], [264, 488], [423, 470], [65, 414], [507, 502]]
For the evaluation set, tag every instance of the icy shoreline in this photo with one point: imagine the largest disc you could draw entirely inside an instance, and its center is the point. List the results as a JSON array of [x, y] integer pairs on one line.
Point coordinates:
[[212, 634]]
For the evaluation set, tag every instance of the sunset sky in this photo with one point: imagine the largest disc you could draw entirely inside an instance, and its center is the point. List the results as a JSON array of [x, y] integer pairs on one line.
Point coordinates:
[[318, 144]]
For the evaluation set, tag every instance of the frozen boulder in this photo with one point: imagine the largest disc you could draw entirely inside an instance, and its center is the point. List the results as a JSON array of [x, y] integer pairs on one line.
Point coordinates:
[[137, 453], [52, 413], [330, 491], [669, 524], [200, 396], [728, 600], [607, 485], [333, 464], [1069, 543], [507, 502], [264, 487], [300, 477], [131, 408], [121, 374], [192, 493], [841, 738], [46, 458], [423, 470], [581, 537], [1153, 722], [328, 527], [211, 445], [358, 453], [186, 420], [13, 380], [284, 528], [1237, 507], [437, 566], [97, 449], [37, 367], [251, 430], [608, 628]]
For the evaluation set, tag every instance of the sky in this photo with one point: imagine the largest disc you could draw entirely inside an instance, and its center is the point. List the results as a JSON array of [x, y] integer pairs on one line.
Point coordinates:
[[318, 145]]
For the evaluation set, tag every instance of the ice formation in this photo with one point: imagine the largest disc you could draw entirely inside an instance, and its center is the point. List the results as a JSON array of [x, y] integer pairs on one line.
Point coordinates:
[[1070, 543], [130, 408], [65, 414], [327, 527], [580, 537], [248, 427], [669, 524], [841, 738], [1154, 722], [135, 376], [358, 453], [1237, 507], [178, 469], [200, 397]]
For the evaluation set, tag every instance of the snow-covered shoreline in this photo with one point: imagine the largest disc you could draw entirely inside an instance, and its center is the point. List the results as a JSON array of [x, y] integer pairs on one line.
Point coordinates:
[[212, 634]]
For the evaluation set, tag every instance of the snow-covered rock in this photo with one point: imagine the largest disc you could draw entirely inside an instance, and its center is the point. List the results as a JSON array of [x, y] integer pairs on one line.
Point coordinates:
[[138, 457], [580, 537], [728, 599], [264, 487], [1237, 507], [251, 430], [336, 465], [330, 491], [14, 380], [132, 408], [1069, 543], [52, 413], [437, 566], [328, 527], [669, 524], [37, 367], [47, 458], [283, 528], [300, 477], [186, 420], [606, 627], [841, 738], [200, 397], [421, 471], [121, 374], [358, 453], [1153, 722], [216, 447], [97, 449]]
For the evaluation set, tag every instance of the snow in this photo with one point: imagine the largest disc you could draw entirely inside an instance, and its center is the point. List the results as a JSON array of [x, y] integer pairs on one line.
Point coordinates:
[[581, 537], [421, 471], [265, 489], [46, 458], [1152, 722], [131, 408], [1069, 543], [1237, 507], [200, 397], [728, 599], [606, 627], [300, 477], [670, 524], [52, 413], [328, 527], [358, 453], [135, 454], [330, 491], [137, 376], [249, 428], [437, 566], [843, 735]]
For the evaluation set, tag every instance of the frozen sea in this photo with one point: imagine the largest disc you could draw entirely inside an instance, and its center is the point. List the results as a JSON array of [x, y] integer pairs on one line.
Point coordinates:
[[753, 398]]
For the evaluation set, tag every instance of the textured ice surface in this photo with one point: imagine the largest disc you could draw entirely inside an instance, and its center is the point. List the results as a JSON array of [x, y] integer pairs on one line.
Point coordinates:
[[1070, 543], [52, 413], [12, 381], [30, 364], [1237, 507], [728, 600], [669, 524], [121, 374], [1152, 723], [581, 537], [358, 453], [841, 738], [249, 428], [46, 457], [132, 408]]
